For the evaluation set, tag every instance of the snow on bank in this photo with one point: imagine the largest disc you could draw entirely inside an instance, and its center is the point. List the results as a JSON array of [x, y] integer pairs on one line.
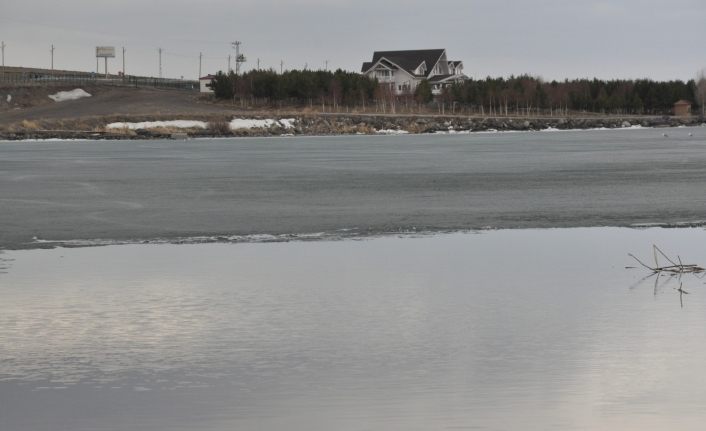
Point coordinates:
[[238, 123], [242, 123], [391, 132], [453, 132], [287, 123], [9, 98], [176, 124], [63, 96], [631, 127]]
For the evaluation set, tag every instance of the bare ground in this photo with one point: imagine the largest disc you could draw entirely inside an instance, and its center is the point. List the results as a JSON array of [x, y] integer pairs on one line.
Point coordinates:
[[33, 103]]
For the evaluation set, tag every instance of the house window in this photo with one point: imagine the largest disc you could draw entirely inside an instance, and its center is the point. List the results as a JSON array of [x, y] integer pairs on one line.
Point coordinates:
[[384, 74]]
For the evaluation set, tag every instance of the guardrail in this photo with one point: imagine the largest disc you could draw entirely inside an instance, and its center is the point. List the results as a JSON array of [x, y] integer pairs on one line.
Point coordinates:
[[14, 76]]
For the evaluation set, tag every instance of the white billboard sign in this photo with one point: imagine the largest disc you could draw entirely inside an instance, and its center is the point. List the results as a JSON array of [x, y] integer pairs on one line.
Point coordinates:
[[105, 51]]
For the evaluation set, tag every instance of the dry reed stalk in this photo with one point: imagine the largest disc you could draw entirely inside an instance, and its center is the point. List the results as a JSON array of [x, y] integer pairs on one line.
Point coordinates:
[[674, 268]]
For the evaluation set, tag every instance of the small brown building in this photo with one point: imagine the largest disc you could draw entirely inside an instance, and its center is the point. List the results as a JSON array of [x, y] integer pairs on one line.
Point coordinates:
[[682, 108]]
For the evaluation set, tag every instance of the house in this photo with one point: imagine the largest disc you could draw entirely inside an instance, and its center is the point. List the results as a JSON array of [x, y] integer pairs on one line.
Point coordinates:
[[404, 70], [205, 83], [682, 108]]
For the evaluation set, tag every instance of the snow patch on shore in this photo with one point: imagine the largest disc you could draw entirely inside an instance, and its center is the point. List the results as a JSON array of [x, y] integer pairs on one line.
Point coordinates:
[[287, 123], [9, 98], [64, 96], [453, 132], [632, 127], [391, 132], [244, 123], [177, 124]]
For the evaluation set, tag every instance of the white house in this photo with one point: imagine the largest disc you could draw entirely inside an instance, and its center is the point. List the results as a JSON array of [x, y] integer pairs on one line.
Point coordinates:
[[205, 82], [404, 70]]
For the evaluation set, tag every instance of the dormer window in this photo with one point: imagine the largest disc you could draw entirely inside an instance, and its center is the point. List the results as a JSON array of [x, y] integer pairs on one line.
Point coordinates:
[[421, 70]]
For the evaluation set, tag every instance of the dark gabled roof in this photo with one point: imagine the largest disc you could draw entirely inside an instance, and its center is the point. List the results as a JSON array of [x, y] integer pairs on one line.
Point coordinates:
[[409, 60], [682, 102], [388, 64], [368, 65], [439, 78]]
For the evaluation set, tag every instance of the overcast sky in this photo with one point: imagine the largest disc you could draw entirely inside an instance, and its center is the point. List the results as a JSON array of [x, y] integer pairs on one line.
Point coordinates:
[[554, 39]]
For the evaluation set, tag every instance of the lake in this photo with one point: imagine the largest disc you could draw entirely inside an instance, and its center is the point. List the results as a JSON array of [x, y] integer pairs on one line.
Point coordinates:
[[511, 329], [453, 282], [348, 186]]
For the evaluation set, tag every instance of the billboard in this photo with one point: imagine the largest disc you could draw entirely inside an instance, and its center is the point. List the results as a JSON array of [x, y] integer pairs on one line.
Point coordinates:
[[105, 51]]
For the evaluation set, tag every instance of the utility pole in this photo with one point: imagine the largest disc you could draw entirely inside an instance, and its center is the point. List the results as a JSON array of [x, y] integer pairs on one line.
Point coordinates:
[[238, 57], [52, 57], [200, 57], [229, 69], [2, 45], [281, 67], [160, 62], [326, 68], [123, 62], [258, 64]]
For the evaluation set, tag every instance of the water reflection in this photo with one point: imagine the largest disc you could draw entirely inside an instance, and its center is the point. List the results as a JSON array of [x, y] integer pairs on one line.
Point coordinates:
[[393, 333], [661, 281], [4, 263]]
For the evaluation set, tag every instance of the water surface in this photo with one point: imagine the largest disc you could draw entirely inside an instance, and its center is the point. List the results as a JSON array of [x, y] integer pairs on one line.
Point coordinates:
[[502, 330], [227, 189]]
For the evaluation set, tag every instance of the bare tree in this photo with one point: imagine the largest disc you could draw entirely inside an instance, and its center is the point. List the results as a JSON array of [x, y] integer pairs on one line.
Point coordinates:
[[701, 90]]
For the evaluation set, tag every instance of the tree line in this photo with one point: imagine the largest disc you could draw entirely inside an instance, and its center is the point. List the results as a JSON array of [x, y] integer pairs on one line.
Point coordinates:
[[516, 95], [526, 93], [297, 87]]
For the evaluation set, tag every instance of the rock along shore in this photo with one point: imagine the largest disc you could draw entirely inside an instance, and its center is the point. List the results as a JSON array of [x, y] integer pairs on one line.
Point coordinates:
[[351, 124]]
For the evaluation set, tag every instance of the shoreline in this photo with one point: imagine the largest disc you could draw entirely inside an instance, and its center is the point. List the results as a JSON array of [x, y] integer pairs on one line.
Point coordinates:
[[335, 125], [352, 234]]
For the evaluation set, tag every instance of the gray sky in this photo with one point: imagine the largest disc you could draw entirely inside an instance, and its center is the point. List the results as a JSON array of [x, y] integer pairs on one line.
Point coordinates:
[[550, 38]]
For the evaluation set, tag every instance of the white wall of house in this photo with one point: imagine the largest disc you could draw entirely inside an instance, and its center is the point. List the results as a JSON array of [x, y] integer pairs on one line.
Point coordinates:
[[203, 87], [401, 81]]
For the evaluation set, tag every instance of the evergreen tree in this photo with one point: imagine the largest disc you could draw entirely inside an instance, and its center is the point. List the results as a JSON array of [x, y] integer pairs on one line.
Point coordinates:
[[422, 93]]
